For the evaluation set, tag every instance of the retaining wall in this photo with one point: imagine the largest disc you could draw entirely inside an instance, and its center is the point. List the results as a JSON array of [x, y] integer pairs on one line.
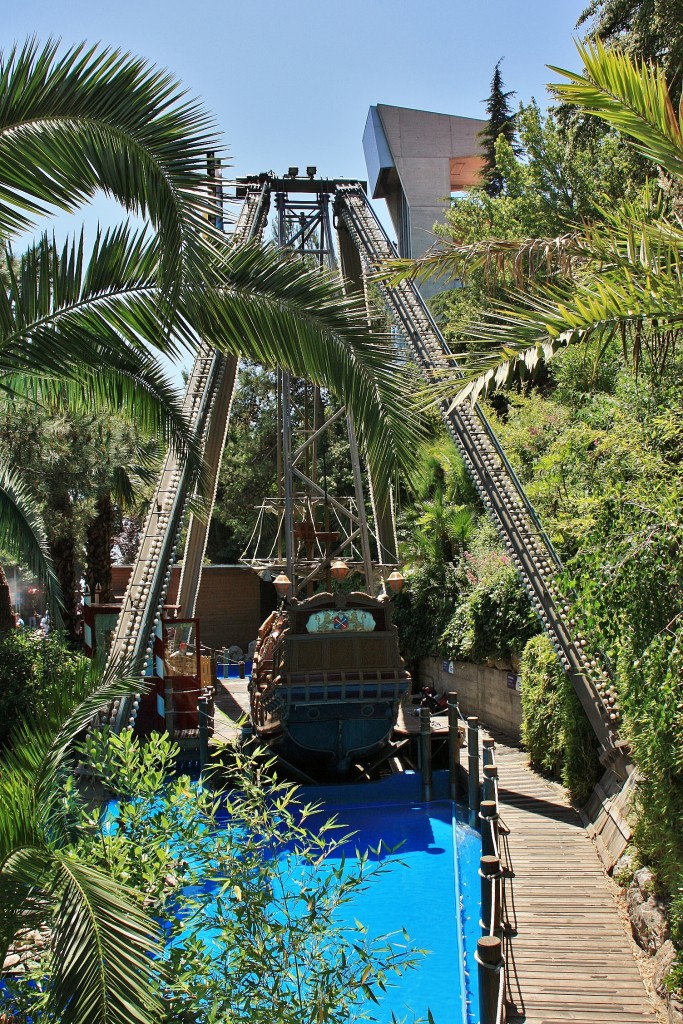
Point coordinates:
[[489, 693]]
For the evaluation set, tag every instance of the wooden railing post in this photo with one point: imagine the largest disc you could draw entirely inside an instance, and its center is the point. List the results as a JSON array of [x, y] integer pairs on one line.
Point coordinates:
[[426, 753], [489, 785], [488, 751], [453, 744], [473, 769], [489, 828], [489, 873], [203, 708], [490, 965]]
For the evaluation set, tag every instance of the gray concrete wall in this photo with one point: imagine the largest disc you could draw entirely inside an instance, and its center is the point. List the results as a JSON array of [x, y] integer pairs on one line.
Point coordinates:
[[422, 144], [488, 693]]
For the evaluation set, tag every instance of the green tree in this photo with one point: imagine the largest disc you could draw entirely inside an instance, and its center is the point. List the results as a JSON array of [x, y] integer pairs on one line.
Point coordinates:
[[647, 29], [500, 124], [617, 277], [98, 119]]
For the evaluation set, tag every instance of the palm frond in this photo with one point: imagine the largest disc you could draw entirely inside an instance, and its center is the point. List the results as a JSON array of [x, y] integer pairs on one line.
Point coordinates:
[[99, 119], [76, 333], [534, 327], [631, 96], [41, 749], [22, 533], [523, 258], [101, 941], [274, 310]]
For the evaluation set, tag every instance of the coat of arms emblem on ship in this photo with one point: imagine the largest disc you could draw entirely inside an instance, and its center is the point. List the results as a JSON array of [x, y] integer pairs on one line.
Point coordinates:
[[341, 621]]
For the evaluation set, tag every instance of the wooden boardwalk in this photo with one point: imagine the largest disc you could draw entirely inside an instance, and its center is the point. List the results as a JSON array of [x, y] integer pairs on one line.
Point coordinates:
[[231, 705], [568, 953]]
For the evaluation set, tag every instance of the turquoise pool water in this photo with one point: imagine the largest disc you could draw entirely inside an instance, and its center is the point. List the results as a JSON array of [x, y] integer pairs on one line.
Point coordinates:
[[434, 894]]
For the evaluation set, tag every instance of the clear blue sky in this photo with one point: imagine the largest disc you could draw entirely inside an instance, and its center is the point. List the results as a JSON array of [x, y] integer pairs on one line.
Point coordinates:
[[291, 83]]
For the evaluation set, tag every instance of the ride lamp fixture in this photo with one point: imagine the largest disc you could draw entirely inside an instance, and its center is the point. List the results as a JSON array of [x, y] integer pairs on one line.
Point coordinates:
[[282, 583], [339, 569], [396, 581]]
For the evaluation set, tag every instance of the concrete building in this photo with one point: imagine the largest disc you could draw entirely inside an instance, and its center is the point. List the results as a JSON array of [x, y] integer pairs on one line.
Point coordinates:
[[417, 160]]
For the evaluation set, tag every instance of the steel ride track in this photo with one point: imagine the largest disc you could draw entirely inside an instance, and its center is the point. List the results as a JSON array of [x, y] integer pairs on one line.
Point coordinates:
[[206, 406], [363, 246]]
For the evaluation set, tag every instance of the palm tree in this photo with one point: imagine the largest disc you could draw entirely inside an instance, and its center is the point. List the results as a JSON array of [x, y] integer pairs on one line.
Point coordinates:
[[99, 938], [620, 277], [82, 330]]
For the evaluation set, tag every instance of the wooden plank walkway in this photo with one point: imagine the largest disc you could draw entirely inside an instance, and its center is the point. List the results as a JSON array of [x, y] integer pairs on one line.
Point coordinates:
[[231, 704], [568, 953]]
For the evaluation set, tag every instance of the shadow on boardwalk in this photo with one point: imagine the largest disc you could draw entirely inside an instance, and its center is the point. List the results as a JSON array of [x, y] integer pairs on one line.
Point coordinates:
[[569, 957]]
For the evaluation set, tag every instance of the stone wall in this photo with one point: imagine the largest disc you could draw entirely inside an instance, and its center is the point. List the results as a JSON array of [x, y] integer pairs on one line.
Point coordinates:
[[489, 693]]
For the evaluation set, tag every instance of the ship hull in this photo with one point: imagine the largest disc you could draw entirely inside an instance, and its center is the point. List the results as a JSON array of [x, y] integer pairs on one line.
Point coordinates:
[[328, 700]]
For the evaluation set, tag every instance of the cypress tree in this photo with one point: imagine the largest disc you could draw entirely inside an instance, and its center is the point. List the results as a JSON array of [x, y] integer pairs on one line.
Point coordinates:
[[501, 121]]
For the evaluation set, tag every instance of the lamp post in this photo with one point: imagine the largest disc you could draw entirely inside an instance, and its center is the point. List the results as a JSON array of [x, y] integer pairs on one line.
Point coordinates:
[[282, 584], [396, 581]]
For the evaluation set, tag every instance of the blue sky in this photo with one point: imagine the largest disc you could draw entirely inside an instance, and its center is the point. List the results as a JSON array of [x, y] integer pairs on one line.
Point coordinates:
[[291, 83]]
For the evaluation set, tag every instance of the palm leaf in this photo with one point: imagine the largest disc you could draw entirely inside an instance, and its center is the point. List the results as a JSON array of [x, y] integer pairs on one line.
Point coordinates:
[[631, 96], [98, 119], [523, 257], [76, 334], [533, 328], [22, 533], [101, 945], [101, 941], [273, 309]]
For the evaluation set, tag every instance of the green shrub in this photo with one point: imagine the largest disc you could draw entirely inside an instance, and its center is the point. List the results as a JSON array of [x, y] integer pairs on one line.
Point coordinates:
[[555, 730], [651, 693], [493, 621], [423, 608], [29, 662]]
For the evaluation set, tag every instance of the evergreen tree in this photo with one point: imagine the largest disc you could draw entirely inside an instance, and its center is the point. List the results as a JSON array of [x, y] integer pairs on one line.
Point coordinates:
[[501, 121]]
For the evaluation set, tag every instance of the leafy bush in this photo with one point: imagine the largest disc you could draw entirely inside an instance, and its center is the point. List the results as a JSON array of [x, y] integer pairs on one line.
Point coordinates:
[[651, 692], [249, 915], [494, 619], [423, 608], [29, 663], [555, 730]]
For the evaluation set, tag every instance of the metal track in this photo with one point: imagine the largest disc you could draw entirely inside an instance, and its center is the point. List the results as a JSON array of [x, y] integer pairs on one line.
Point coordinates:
[[530, 549], [131, 647]]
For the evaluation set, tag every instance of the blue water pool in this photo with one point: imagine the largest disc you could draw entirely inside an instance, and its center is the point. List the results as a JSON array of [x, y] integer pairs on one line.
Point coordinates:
[[433, 894]]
